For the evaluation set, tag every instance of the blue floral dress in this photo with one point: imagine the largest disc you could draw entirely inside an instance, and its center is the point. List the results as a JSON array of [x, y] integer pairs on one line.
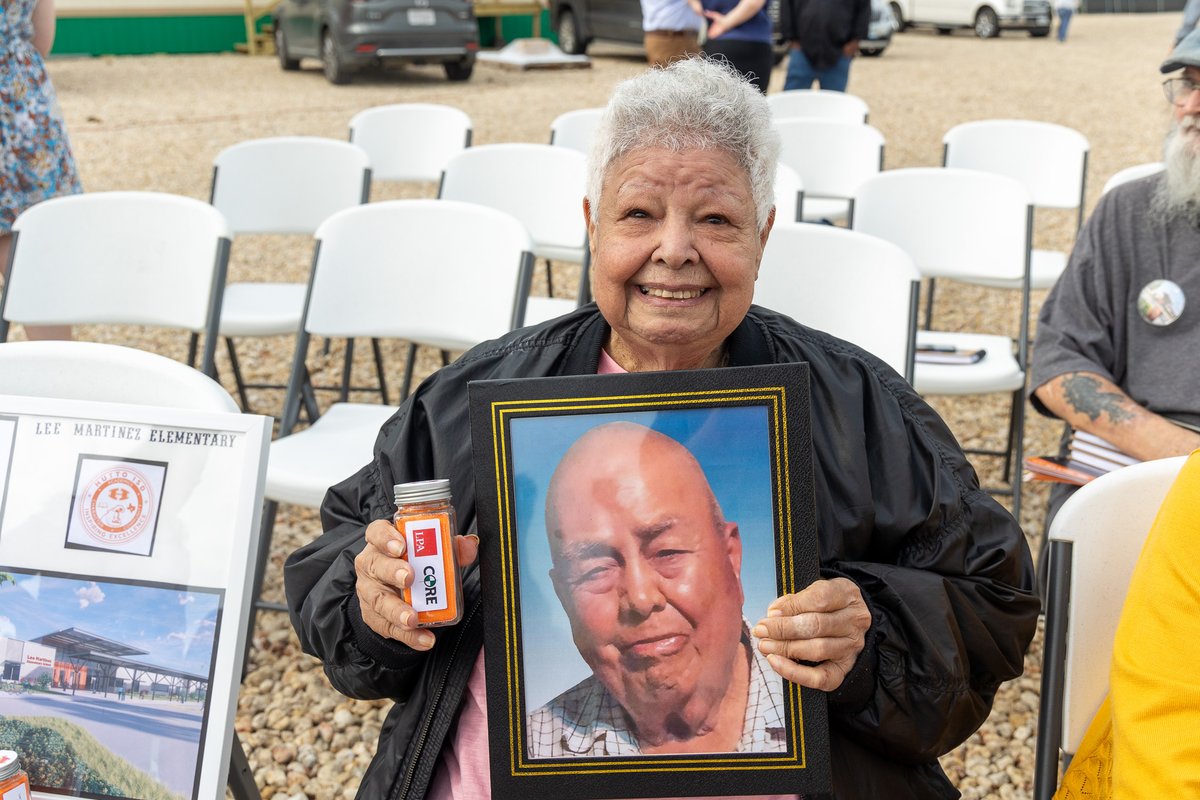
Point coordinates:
[[35, 157]]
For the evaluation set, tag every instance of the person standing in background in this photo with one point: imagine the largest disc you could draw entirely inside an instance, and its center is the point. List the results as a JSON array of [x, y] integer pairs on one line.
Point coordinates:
[[740, 32], [670, 30], [824, 36], [35, 162], [1065, 9]]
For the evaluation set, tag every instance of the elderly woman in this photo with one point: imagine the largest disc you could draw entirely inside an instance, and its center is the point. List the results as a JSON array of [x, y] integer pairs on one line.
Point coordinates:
[[926, 600]]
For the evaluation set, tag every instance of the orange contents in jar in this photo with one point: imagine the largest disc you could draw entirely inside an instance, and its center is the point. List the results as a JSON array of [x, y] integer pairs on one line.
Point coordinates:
[[426, 520], [14, 783]]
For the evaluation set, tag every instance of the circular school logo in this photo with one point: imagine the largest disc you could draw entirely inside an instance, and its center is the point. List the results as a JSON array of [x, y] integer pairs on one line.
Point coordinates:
[[115, 507]]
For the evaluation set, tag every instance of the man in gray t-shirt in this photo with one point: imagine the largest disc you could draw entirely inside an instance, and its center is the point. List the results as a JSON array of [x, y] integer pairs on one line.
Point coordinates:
[[1118, 338]]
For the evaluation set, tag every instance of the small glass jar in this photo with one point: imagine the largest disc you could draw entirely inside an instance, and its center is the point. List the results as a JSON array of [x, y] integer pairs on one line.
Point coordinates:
[[425, 517], [14, 783]]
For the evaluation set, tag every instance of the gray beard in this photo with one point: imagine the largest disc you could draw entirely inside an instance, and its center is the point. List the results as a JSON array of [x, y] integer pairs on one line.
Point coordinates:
[[1178, 193]]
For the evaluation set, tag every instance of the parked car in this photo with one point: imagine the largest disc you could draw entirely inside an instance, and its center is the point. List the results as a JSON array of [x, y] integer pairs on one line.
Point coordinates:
[[348, 35], [987, 17], [578, 23], [880, 29]]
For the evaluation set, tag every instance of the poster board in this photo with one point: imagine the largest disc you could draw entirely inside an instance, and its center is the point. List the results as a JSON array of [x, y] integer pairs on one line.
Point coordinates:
[[127, 539], [611, 586]]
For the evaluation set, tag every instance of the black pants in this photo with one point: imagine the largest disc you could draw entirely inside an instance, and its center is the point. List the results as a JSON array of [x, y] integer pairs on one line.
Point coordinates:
[[753, 60]]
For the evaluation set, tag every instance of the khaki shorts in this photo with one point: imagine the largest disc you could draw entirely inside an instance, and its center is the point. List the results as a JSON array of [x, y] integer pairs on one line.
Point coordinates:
[[663, 47]]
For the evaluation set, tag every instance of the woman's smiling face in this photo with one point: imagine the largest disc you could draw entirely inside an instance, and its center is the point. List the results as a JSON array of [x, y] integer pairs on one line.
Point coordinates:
[[675, 253]]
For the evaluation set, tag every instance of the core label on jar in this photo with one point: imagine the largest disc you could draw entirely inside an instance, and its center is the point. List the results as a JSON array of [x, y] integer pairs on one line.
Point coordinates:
[[429, 586]]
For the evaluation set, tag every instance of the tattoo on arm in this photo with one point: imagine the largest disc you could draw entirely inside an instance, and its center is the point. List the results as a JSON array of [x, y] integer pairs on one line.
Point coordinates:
[[1087, 396]]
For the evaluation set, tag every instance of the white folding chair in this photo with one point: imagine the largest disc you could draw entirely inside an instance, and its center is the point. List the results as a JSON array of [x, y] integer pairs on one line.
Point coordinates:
[[134, 258], [857, 287], [433, 272], [543, 187], [789, 195], [962, 224], [820, 104], [107, 372], [1095, 540], [832, 158], [410, 141], [1132, 174], [280, 185], [1049, 160], [576, 129]]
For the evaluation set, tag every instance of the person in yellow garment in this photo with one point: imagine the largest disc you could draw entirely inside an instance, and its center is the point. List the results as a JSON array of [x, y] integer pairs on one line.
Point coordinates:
[[1143, 743]]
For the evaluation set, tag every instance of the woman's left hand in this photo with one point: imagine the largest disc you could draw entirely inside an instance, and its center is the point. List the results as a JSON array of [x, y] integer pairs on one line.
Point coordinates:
[[716, 25], [825, 625]]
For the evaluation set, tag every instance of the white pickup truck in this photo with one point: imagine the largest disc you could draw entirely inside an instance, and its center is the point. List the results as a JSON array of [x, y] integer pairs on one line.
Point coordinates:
[[987, 17]]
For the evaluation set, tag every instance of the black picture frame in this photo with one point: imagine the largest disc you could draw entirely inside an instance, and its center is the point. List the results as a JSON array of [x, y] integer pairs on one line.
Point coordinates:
[[749, 429]]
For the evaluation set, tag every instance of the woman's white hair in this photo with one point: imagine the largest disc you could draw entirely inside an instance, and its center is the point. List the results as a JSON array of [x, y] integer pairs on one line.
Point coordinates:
[[695, 103]]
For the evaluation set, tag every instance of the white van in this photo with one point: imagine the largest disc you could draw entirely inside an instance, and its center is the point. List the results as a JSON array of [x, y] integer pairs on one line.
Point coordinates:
[[987, 17]]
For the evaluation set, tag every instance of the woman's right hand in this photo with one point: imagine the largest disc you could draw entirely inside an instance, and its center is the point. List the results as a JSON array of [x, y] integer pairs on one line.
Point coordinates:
[[382, 574]]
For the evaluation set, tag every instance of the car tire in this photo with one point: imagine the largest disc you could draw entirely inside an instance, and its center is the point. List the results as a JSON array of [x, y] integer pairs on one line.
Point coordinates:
[[898, 23], [286, 62], [459, 70], [570, 41], [1039, 33], [945, 31], [987, 26], [870, 53], [335, 69]]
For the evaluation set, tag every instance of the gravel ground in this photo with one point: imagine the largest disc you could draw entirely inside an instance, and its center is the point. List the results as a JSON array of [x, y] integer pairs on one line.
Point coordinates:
[[155, 123]]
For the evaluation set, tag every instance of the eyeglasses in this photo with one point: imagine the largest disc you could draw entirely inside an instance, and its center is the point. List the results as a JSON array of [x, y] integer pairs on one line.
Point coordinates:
[[1178, 90]]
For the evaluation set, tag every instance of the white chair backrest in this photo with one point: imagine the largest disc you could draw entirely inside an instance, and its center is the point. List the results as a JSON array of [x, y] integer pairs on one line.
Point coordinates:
[[540, 185], [832, 158], [1049, 159], [954, 223], [576, 129], [1107, 520], [854, 286], [788, 186], [137, 258], [819, 103], [410, 141], [436, 272], [288, 184], [109, 373], [1132, 174]]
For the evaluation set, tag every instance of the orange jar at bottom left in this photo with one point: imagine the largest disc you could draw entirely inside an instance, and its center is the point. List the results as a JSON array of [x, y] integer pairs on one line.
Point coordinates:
[[14, 783]]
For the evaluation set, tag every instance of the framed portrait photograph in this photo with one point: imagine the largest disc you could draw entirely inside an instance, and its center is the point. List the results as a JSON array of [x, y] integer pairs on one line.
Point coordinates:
[[634, 529]]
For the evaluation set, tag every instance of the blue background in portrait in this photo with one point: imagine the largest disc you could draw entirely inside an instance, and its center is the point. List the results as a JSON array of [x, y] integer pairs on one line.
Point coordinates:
[[732, 445]]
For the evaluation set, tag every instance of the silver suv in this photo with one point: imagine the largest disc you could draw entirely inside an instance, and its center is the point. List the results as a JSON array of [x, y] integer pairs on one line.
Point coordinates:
[[348, 35]]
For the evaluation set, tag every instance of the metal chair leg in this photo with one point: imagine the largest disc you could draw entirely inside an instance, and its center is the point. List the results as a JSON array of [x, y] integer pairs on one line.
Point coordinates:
[[347, 364], [1018, 451], [549, 280], [378, 351], [410, 362], [237, 375], [929, 305], [241, 779], [270, 508], [193, 347], [308, 398]]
